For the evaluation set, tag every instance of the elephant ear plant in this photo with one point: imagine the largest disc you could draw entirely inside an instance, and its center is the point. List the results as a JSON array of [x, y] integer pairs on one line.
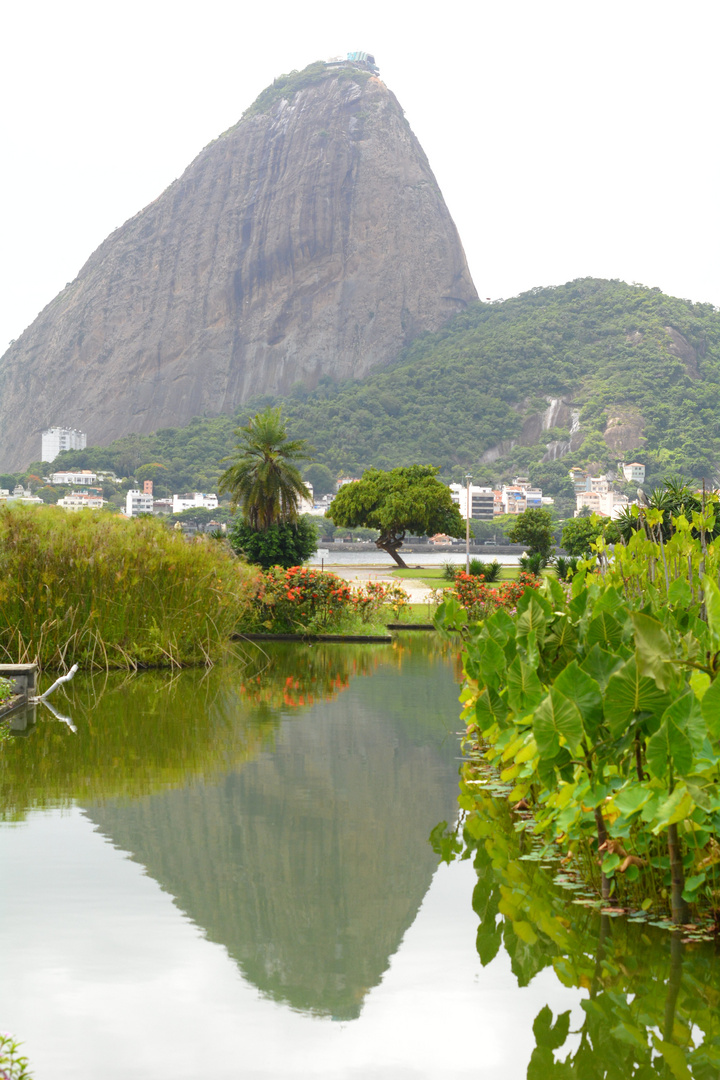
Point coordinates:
[[601, 703]]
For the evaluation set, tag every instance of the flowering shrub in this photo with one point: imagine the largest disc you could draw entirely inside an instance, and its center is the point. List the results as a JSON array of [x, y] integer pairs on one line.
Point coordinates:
[[481, 600], [298, 599], [305, 600], [377, 593]]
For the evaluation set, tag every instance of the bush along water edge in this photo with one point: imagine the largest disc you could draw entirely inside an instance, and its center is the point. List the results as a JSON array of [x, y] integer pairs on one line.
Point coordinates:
[[600, 703], [304, 600], [104, 592]]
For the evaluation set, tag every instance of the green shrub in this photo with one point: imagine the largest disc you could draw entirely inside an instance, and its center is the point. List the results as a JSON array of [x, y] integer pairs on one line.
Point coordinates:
[[485, 571], [102, 591], [285, 544], [602, 705], [6, 690], [450, 571], [533, 564], [566, 568], [297, 600]]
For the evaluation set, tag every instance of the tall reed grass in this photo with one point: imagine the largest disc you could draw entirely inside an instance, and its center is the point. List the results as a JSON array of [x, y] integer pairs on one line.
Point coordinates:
[[105, 592]]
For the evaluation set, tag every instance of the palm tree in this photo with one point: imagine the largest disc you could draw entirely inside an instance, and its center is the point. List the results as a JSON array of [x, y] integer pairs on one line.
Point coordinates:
[[263, 478], [674, 497]]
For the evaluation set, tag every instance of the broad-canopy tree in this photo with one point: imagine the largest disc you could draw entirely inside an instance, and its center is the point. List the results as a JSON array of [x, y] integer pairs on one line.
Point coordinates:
[[535, 529], [264, 480], [580, 532], [396, 502]]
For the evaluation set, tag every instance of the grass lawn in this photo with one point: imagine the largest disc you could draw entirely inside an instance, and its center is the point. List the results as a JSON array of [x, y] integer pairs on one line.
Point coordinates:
[[413, 613], [433, 575]]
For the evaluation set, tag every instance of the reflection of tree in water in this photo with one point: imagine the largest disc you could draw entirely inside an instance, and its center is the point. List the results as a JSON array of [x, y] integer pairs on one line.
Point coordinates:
[[652, 1004], [135, 734], [141, 733], [310, 862]]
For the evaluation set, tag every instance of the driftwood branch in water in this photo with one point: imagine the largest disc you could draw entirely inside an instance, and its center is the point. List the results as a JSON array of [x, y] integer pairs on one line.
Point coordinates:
[[58, 682]]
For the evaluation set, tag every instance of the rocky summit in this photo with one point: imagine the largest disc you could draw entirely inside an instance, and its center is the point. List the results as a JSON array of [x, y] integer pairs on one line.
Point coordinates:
[[309, 240]]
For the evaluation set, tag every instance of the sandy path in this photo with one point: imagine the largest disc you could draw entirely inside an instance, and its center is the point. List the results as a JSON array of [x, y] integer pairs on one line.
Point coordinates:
[[359, 575]]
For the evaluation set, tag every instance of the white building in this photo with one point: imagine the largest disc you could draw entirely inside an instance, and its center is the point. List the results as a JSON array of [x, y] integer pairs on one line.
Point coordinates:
[[81, 500], [191, 501], [19, 494], [606, 503], [138, 502], [482, 501], [57, 439], [634, 472], [306, 506], [84, 476]]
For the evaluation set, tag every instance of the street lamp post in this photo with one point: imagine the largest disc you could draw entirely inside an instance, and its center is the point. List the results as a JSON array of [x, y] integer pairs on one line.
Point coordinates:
[[468, 507]]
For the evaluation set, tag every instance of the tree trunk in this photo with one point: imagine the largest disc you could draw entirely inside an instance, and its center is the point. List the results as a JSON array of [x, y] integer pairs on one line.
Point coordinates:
[[680, 910], [393, 552], [602, 836], [673, 985]]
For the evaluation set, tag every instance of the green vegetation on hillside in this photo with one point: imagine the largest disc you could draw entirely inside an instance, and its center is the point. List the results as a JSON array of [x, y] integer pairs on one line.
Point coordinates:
[[451, 396]]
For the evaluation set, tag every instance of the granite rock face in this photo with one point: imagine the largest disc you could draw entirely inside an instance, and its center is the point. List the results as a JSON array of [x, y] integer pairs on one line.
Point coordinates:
[[309, 240]]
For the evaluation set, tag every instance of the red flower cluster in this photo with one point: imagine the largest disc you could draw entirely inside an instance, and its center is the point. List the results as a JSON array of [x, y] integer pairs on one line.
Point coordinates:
[[300, 598], [481, 600], [305, 599]]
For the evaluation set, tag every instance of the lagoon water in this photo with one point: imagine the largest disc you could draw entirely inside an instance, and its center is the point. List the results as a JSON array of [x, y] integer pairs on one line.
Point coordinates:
[[368, 557], [228, 874]]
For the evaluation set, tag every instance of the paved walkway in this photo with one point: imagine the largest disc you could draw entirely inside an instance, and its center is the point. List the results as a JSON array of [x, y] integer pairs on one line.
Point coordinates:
[[359, 575]]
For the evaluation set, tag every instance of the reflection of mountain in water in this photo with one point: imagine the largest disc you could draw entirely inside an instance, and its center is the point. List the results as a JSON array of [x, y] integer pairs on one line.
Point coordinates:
[[310, 863]]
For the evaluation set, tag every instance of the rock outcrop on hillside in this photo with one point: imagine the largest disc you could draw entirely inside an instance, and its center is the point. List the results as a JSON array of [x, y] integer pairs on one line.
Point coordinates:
[[309, 240]]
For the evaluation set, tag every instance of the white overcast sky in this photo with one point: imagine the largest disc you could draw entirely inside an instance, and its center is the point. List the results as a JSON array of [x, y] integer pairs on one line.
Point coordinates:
[[568, 139]]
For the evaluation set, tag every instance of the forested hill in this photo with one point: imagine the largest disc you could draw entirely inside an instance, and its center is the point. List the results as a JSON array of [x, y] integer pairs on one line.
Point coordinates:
[[634, 373]]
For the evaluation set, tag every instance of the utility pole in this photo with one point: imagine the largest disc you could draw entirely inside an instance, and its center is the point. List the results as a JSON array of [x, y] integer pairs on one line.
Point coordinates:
[[468, 508]]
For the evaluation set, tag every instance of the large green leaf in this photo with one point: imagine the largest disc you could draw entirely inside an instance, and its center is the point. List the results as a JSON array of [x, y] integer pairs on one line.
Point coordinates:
[[524, 688], [674, 1057], [680, 593], [490, 709], [556, 593], [486, 662], [549, 1035], [600, 664], [532, 598], [669, 746], [500, 626], [632, 798], [677, 807], [533, 618], [556, 718], [628, 694], [562, 635], [686, 713], [712, 607], [711, 709], [451, 615], [605, 630], [654, 651], [584, 692]]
